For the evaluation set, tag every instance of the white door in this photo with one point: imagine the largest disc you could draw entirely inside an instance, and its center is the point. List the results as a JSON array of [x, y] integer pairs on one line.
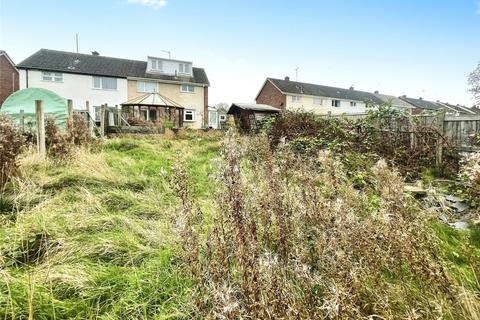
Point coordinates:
[[213, 119]]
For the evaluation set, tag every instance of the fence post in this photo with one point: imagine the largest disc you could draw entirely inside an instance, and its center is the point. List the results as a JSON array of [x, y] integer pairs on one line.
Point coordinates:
[[413, 134], [70, 109], [70, 117], [40, 120], [440, 134], [90, 120], [22, 120], [102, 120]]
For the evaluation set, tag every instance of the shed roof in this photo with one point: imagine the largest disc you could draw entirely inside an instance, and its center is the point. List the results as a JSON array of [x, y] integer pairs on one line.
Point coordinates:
[[153, 100], [294, 87], [78, 63], [253, 107]]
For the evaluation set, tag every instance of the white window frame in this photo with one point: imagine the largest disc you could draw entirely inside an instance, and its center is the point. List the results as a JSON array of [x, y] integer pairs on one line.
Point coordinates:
[[52, 76], [101, 83], [334, 104], [192, 112], [141, 86], [182, 68], [296, 99], [188, 87], [156, 64]]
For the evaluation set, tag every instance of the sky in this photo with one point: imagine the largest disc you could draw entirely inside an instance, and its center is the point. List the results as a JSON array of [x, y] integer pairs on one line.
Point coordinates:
[[421, 48]]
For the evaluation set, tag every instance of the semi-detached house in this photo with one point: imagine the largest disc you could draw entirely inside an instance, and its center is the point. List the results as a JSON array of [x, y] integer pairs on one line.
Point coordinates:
[[113, 81]]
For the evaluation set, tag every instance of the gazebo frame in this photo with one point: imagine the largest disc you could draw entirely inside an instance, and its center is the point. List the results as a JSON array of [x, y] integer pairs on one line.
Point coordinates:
[[163, 107]]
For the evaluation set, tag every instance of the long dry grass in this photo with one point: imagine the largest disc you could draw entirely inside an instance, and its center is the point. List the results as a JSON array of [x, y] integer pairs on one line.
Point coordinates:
[[292, 238]]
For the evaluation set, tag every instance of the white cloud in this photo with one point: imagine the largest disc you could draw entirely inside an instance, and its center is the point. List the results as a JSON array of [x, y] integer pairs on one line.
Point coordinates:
[[155, 4]]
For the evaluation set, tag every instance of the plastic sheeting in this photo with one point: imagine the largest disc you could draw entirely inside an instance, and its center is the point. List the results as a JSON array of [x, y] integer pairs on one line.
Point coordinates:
[[53, 105]]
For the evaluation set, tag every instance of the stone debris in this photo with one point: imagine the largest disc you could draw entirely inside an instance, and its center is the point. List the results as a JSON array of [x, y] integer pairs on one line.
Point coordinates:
[[459, 225]]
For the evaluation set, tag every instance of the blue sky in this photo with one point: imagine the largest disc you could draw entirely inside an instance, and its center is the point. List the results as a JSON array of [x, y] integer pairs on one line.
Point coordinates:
[[419, 48]]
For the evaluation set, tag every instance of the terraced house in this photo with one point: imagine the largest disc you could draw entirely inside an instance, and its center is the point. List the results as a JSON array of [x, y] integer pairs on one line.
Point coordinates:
[[114, 81], [292, 95]]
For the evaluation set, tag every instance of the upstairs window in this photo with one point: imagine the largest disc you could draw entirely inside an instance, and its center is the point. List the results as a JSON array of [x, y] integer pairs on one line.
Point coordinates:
[[187, 88], [104, 83], [157, 65], [189, 115], [317, 101], [353, 104], [296, 98], [336, 103], [146, 86], [185, 68], [52, 76]]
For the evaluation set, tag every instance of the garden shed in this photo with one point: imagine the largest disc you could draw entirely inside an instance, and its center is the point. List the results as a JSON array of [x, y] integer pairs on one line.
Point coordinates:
[[247, 115], [24, 100]]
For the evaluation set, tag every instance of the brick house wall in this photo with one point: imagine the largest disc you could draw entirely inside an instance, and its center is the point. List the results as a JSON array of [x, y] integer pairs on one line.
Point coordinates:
[[270, 95], [9, 82]]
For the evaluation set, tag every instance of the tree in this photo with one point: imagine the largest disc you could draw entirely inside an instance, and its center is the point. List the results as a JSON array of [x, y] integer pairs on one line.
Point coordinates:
[[222, 106], [474, 83]]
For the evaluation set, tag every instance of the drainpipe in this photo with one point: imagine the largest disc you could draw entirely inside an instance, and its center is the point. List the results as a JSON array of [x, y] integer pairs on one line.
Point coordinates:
[[26, 75]]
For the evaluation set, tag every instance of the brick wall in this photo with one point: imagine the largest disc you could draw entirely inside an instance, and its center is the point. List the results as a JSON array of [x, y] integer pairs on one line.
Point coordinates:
[[8, 79], [272, 96]]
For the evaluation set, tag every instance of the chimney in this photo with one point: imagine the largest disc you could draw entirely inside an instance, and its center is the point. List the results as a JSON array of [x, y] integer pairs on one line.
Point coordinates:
[[287, 78], [352, 88], [376, 92], [420, 98], [95, 53]]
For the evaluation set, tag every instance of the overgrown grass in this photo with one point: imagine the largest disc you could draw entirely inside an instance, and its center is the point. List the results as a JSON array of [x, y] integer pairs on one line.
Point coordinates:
[[100, 237], [93, 238]]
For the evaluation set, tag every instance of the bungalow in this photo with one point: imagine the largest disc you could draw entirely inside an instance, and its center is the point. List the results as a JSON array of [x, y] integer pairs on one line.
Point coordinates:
[[291, 95], [114, 81], [8, 76]]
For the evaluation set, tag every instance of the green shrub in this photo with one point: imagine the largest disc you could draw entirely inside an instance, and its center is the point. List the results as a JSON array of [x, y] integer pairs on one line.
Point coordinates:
[[11, 145]]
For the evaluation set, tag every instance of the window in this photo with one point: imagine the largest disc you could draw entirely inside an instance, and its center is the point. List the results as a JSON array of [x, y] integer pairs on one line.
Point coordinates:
[[146, 86], [157, 64], [184, 68], [189, 115], [52, 76], [187, 88], [353, 104], [336, 103], [295, 98], [223, 117], [104, 83], [317, 101]]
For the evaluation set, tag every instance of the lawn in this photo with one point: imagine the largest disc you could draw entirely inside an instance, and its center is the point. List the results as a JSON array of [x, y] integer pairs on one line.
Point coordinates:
[[94, 238]]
